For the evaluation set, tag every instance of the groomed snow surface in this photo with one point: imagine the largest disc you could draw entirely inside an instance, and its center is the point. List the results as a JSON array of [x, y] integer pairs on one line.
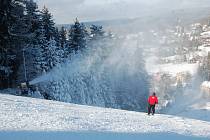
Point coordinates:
[[25, 118]]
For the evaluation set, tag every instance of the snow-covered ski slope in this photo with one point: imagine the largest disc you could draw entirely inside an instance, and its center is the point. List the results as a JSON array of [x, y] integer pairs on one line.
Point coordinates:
[[29, 119]]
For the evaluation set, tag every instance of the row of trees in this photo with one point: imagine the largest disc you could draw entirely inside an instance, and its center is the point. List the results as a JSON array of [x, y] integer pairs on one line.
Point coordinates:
[[90, 66], [31, 44]]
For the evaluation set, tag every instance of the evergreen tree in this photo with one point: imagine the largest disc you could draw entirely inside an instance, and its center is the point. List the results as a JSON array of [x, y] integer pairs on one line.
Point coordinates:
[[63, 43], [57, 36], [5, 70], [77, 36], [48, 24], [40, 61], [96, 32], [39, 51], [34, 41], [11, 39], [27, 40], [53, 55], [48, 39], [34, 23], [62, 37]]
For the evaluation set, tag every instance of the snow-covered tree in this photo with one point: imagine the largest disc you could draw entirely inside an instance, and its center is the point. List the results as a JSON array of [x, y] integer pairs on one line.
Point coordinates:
[[77, 36], [46, 50], [48, 24], [96, 32], [62, 37], [57, 36], [53, 54]]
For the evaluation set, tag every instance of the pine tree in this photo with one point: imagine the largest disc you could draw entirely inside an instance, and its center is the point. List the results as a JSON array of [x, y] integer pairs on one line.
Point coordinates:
[[96, 32], [53, 54], [77, 36], [62, 37], [40, 61], [39, 51], [34, 22], [12, 36], [5, 70], [26, 36], [57, 36], [43, 49], [48, 24], [33, 42]]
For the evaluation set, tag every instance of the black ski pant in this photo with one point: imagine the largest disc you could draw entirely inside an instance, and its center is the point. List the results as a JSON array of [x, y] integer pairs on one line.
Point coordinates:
[[151, 108]]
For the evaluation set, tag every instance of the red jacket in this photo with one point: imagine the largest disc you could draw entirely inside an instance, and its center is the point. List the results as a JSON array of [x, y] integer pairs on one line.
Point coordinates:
[[153, 100]]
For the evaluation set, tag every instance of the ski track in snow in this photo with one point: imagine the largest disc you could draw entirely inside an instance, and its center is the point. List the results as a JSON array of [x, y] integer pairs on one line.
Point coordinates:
[[28, 114]]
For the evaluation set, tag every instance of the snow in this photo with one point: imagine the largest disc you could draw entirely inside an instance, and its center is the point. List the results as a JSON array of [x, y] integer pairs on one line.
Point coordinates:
[[205, 34], [173, 69], [204, 50], [11, 91], [202, 106], [36, 94], [92, 136], [199, 110], [206, 84], [28, 118]]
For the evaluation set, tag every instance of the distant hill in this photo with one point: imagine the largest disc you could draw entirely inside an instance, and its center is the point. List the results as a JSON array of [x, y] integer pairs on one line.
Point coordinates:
[[146, 21]]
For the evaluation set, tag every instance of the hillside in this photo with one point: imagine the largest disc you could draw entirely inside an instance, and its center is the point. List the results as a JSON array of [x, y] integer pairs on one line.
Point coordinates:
[[28, 118]]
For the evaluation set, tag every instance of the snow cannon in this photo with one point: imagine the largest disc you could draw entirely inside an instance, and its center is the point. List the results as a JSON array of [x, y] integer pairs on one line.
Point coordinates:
[[25, 87], [24, 84]]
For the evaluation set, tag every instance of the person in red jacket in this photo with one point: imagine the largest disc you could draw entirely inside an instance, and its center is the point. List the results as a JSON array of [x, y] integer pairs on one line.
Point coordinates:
[[152, 101]]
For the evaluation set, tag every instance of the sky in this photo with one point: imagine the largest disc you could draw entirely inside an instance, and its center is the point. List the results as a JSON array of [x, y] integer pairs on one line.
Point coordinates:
[[66, 11]]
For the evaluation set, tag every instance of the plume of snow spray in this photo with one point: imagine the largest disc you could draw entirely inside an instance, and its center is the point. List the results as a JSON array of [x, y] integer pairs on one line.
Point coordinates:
[[108, 75]]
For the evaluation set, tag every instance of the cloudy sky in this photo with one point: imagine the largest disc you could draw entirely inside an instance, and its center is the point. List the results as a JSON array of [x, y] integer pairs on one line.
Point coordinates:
[[65, 11]]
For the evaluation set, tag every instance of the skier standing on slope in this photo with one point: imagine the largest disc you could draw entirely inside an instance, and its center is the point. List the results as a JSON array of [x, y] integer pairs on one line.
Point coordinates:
[[152, 101]]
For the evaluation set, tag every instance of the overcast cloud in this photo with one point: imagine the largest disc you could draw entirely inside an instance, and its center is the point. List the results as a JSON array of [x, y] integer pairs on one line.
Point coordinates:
[[65, 11]]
